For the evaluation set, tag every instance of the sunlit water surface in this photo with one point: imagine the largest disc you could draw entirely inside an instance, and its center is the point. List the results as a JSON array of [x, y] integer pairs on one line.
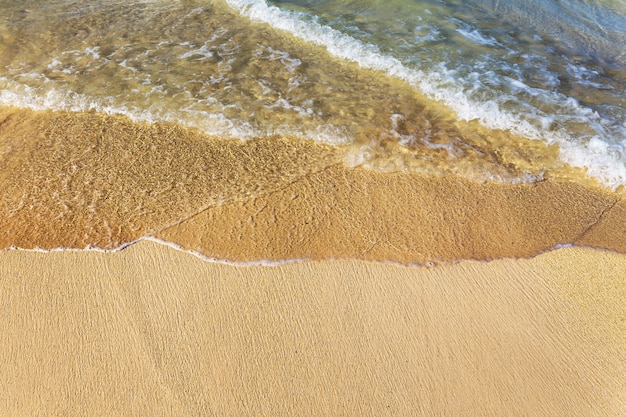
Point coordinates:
[[501, 90]]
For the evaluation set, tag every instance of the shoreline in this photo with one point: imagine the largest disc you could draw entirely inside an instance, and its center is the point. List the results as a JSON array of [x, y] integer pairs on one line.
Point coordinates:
[[300, 208], [91, 180], [151, 329], [277, 263]]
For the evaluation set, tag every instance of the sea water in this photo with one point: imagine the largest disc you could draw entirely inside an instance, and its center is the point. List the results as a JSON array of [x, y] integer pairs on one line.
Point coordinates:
[[483, 88]]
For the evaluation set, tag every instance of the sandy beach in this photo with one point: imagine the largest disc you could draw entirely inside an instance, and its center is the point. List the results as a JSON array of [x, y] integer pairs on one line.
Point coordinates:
[[151, 330], [312, 208], [450, 298]]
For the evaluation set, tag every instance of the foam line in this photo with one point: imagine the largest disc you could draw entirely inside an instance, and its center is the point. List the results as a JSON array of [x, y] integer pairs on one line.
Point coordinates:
[[606, 163]]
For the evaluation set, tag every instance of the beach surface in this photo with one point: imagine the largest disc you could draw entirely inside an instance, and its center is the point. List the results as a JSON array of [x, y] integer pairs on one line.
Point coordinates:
[[151, 330], [284, 208], [77, 180]]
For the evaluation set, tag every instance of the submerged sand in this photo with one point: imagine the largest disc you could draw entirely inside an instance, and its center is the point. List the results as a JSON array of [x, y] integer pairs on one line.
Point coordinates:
[[155, 331]]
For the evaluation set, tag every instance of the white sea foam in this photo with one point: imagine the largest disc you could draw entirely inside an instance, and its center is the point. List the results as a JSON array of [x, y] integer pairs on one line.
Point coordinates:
[[90, 248], [602, 152], [15, 94], [477, 37], [585, 76], [20, 95], [203, 52]]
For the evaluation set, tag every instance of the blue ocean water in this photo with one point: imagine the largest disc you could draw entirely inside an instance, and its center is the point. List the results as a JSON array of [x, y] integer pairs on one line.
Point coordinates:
[[428, 76]]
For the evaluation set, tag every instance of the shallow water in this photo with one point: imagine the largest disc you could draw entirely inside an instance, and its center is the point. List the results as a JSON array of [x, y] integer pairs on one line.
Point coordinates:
[[508, 91]]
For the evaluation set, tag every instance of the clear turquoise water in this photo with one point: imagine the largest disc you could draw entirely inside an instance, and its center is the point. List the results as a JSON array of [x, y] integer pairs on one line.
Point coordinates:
[[339, 72]]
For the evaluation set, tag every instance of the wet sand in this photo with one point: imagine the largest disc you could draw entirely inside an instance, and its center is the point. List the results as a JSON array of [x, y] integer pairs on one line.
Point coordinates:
[[79, 180], [151, 330]]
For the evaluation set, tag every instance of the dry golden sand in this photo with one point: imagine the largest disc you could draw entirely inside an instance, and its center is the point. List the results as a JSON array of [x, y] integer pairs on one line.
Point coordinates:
[[154, 331]]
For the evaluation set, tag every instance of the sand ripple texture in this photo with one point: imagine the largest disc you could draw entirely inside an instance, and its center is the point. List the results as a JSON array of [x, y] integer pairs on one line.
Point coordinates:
[[154, 331]]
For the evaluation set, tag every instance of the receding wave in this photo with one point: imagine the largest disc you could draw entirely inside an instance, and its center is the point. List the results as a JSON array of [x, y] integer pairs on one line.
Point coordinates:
[[586, 139], [417, 86]]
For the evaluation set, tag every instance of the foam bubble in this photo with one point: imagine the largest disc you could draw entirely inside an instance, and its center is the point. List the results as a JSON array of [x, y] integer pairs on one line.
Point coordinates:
[[477, 37]]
